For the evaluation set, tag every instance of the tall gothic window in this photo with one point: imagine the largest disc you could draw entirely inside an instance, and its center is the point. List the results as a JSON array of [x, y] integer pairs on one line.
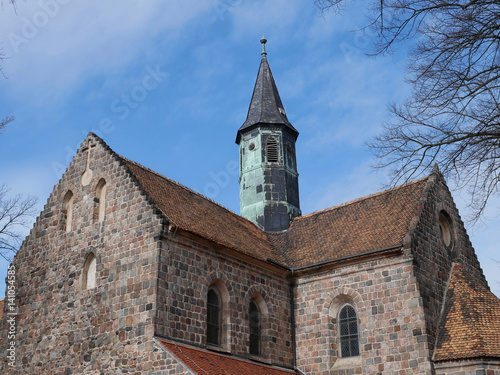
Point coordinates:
[[89, 272], [348, 326], [67, 211], [254, 316], [272, 153], [214, 313]]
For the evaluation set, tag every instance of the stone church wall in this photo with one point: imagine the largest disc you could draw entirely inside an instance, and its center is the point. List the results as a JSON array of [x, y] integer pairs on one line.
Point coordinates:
[[389, 309], [62, 329], [191, 268], [432, 258]]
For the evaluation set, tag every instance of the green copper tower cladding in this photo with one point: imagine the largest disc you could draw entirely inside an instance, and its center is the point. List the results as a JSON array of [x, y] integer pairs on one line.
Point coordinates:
[[269, 185]]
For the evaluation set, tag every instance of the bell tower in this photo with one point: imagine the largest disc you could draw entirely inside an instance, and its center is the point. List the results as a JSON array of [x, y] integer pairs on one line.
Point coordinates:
[[269, 184]]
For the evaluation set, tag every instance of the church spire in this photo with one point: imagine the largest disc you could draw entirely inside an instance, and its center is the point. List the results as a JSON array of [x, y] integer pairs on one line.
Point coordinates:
[[266, 106], [269, 186]]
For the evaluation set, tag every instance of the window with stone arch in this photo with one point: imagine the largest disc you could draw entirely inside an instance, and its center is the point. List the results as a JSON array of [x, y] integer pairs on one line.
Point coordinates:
[[89, 272], [67, 211], [348, 332], [100, 201], [254, 317], [445, 228], [258, 325], [214, 317], [218, 319]]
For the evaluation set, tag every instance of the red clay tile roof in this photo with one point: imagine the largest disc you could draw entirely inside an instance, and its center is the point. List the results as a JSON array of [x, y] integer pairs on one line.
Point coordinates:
[[470, 323], [374, 222], [210, 363], [197, 214]]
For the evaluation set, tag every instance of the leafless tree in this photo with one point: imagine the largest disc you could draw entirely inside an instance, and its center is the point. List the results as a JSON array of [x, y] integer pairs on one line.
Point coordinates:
[[15, 213], [452, 116], [2, 53]]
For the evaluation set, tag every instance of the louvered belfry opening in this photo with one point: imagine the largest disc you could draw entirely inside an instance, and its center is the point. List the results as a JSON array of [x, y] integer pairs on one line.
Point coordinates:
[[348, 324], [272, 153]]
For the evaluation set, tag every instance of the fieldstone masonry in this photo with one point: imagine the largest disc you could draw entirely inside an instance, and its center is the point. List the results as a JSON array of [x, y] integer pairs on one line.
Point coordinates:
[[190, 268], [63, 329], [433, 260], [393, 335], [148, 281], [152, 275], [152, 280]]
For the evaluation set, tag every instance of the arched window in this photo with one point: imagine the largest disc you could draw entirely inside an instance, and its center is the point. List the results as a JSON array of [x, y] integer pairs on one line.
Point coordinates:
[[445, 227], [214, 315], [89, 272], [67, 211], [348, 327], [100, 200], [254, 323], [272, 153]]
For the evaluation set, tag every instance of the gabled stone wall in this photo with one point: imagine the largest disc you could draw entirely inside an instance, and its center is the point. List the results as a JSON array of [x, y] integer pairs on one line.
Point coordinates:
[[433, 260], [62, 329], [390, 319]]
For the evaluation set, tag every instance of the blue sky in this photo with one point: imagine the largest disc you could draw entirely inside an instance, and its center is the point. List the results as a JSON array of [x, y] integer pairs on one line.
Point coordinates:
[[168, 83]]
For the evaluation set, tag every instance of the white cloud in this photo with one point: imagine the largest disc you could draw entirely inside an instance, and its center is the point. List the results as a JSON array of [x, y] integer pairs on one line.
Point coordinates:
[[54, 49]]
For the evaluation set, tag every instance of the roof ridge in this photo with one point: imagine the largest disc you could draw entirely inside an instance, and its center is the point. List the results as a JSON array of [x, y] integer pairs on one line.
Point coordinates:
[[184, 187], [357, 200]]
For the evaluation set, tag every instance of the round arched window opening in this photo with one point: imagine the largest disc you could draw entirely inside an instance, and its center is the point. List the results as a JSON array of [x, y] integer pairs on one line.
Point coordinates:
[[445, 228], [251, 147]]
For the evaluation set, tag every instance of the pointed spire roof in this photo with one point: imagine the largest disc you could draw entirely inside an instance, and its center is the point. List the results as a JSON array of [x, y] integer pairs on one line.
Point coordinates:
[[266, 106]]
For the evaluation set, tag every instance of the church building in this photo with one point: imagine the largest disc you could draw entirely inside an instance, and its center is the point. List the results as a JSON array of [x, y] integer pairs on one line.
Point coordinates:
[[126, 271]]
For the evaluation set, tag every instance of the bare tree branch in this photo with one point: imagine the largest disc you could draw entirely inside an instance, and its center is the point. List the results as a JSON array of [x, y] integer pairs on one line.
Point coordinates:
[[2, 53], [15, 213], [452, 116], [4, 122]]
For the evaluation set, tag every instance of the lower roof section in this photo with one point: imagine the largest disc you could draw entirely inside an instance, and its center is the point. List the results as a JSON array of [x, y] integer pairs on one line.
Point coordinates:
[[470, 323], [202, 361]]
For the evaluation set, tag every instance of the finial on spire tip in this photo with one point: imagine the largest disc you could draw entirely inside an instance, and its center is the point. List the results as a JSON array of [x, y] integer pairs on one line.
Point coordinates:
[[263, 41]]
